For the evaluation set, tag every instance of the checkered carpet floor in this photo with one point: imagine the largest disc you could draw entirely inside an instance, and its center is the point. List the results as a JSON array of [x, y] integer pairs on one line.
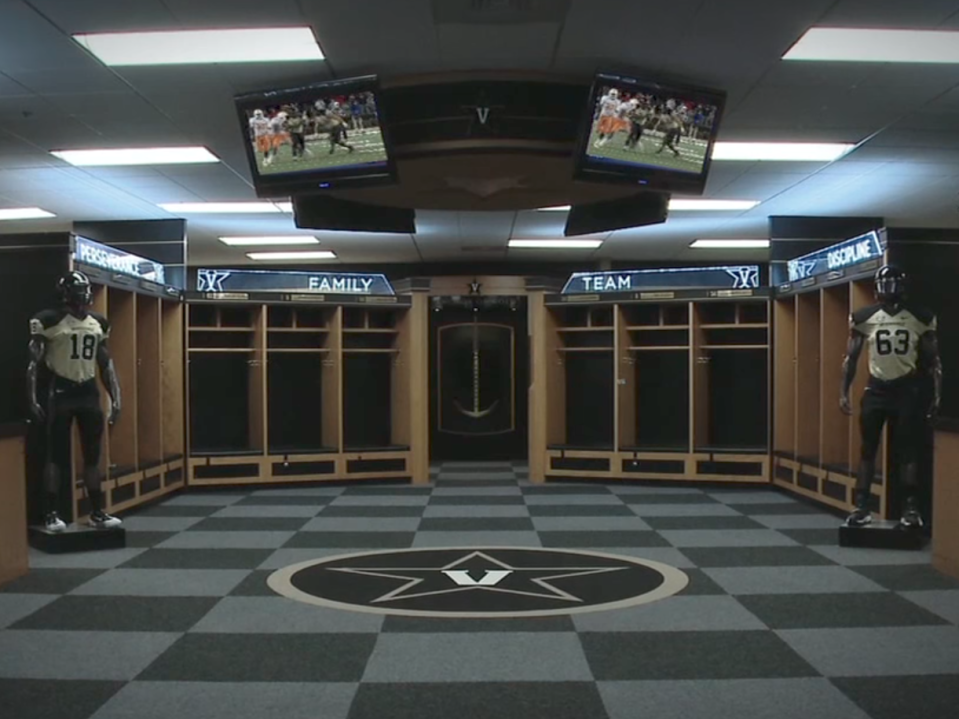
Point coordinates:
[[777, 620]]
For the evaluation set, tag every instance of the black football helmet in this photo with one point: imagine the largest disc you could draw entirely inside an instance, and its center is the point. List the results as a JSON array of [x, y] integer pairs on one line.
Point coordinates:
[[75, 290], [890, 284]]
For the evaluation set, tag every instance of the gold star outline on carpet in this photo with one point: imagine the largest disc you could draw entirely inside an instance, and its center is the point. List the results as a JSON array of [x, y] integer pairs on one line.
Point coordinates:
[[439, 581]]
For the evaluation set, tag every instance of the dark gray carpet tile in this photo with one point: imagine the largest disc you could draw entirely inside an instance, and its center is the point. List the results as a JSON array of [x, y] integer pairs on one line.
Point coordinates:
[[479, 700], [350, 540], [263, 658], [824, 611], [691, 655], [54, 699], [907, 577], [438, 625], [702, 523], [159, 558], [922, 697], [51, 581], [119, 614], [755, 556], [476, 524]]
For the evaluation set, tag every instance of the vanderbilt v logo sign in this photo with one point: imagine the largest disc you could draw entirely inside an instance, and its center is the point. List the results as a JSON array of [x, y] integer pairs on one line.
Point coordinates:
[[482, 114], [490, 579]]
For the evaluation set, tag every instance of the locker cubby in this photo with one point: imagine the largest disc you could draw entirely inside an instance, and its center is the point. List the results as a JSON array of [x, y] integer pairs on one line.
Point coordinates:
[[146, 445], [673, 390], [303, 390], [816, 446], [661, 396], [658, 339]]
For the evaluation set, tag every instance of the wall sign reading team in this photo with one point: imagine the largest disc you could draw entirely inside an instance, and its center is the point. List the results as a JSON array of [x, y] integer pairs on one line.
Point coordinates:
[[726, 277], [208, 280]]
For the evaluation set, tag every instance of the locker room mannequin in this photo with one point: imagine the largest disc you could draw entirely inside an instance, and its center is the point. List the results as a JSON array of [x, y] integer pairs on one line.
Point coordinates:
[[903, 350], [67, 345]]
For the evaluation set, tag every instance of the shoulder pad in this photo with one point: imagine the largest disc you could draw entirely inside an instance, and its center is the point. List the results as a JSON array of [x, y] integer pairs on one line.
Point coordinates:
[[46, 319], [864, 314], [104, 322], [922, 314]]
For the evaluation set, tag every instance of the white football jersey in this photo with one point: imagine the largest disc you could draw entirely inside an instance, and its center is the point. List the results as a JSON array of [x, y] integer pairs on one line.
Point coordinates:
[[261, 126], [608, 106], [278, 124], [893, 338], [71, 343]]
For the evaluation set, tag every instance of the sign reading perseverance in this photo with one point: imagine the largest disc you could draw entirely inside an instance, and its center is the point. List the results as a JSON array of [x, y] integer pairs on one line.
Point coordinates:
[[336, 283], [737, 277], [94, 254], [478, 582]]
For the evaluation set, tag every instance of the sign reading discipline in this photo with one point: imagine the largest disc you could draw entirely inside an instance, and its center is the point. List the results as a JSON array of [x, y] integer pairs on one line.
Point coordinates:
[[111, 259], [338, 283], [732, 277], [837, 257]]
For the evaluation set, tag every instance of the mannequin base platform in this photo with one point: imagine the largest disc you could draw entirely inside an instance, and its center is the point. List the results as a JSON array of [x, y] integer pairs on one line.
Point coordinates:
[[881, 535], [76, 539]]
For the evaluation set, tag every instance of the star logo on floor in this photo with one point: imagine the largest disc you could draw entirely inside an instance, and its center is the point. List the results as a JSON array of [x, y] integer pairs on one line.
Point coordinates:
[[478, 581], [458, 577]]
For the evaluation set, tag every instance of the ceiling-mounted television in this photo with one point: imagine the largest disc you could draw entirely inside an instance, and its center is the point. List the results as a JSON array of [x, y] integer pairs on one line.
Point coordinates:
[[652, 134], [305, 139]]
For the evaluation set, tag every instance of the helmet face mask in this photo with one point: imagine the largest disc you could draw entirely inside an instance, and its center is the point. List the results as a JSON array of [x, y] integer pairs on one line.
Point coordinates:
[[76, 291], [890, 283]]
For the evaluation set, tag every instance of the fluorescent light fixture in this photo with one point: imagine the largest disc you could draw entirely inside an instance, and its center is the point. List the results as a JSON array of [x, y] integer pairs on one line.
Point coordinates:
[[868, 45], [137, 156], [189, 47], [780, 151], [24, 213], [554, 244], [683, 205], [223, 208], [286, 207], [730, 244], [275, 240], [270, 256]]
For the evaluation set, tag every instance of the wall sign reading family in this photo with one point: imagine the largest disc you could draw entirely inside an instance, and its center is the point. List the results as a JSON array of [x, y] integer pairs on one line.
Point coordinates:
[[725, 277], [344, 283], [111, 259], [837, 257]]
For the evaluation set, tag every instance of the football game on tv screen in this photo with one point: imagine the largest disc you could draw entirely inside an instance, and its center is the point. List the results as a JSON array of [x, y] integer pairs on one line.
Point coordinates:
[[324, 128], [648, 126]]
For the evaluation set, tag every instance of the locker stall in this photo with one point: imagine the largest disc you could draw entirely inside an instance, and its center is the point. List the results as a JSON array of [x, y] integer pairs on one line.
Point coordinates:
[[143, 452], [665, 384], [816, 447], [304, 387]]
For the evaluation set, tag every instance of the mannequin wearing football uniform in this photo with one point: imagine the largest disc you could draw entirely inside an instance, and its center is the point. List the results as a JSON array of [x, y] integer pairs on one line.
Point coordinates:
[[67, 345], [902, 349]]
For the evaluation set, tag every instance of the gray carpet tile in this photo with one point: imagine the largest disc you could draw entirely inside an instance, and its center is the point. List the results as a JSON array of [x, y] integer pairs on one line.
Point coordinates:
[[776, 619]]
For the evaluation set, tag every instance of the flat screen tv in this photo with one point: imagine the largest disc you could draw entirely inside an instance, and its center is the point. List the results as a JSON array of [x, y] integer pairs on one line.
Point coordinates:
[[651, 134], [304, 139]]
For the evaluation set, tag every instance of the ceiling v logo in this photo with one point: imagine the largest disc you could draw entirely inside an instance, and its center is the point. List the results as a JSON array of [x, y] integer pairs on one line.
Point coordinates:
[[490, 579]]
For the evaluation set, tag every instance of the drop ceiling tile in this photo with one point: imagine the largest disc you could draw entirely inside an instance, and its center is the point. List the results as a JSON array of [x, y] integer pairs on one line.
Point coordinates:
[[106, 15]]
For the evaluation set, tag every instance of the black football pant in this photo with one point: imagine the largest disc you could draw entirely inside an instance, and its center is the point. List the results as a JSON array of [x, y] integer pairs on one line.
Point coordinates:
[[82, 405], [635, 134], [900, 404], [338, 137], [298, 142]]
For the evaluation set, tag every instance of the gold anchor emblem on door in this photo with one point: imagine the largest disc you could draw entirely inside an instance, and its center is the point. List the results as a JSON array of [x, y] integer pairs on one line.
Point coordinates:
[[475, 412]]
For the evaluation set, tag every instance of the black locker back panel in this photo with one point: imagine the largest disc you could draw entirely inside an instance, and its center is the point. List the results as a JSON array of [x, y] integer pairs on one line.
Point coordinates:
[[295, 395], [738, 399], [220, 402], [589, 399], [662, 400], [366, 400]]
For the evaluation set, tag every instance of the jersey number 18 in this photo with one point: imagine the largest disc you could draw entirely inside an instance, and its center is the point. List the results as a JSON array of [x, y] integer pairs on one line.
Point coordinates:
[[888, 342], [84, 350]]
